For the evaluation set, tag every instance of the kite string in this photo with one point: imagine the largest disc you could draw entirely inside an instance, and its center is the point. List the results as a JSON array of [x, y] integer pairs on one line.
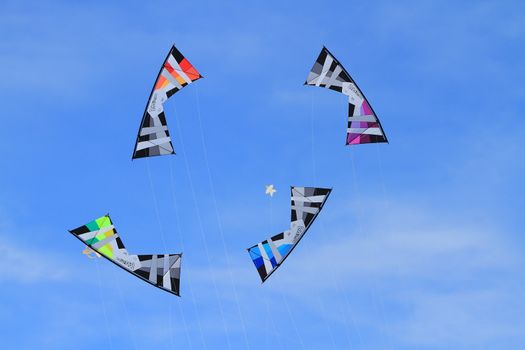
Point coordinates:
[[163, 239], [281, 336], [312, 133], [386, 205], [376, 296], [323, 229], [324, 312], [218, 218], [156, 206], [164, 243], [201, 231], [274, 328], [294, 324], [290, 314], [108, 325], [381, 173], [314, 170], [192, 293], [282, 293], [347, 304], [126, 313]]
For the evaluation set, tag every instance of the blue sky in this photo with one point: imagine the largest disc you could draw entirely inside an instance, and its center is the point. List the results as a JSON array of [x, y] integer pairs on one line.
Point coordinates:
[[420, 245]]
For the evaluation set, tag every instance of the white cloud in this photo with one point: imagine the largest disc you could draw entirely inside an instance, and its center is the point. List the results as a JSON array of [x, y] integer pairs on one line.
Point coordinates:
[[448, 283], [462, 318], [27, 265], [414, 275]]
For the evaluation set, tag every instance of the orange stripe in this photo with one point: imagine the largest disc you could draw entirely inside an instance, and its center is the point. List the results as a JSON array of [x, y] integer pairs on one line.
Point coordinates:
[[180, 79], [160, 82]]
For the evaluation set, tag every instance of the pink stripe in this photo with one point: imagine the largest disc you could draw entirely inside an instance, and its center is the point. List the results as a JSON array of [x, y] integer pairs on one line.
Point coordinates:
[[365, 108], [353, 139]]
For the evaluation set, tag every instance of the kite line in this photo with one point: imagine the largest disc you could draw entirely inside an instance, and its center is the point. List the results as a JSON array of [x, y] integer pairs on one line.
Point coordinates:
[[165, 246], [108, 325], [323, 229], [179, 230], [218, 218], [314, 167], [126, 313], [201, 231]]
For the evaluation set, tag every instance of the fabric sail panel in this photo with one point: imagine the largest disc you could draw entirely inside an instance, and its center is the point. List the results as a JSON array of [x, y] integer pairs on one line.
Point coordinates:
[[160, 270], [153, 138], [363, 123], [306, 204]]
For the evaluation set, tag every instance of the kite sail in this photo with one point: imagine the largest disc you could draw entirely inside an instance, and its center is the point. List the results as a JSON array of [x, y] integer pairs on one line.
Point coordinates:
[[161, 270], [363, 123], [153, 138], [268, 255]]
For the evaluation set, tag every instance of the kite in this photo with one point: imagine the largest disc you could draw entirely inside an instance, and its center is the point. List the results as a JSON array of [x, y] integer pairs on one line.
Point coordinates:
[[363, 123], [268, 255], [161, 270], [270, 190], [153, 138]]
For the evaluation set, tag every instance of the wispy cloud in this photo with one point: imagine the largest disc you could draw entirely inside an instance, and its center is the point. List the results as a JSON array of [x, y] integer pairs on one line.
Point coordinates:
[[449, 282], [463, 318], [27, 264]]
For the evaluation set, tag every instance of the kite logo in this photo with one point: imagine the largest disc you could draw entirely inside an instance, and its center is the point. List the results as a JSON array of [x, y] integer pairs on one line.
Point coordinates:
[[152, 107], [349, 87], [298, 234], [126, 263]]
